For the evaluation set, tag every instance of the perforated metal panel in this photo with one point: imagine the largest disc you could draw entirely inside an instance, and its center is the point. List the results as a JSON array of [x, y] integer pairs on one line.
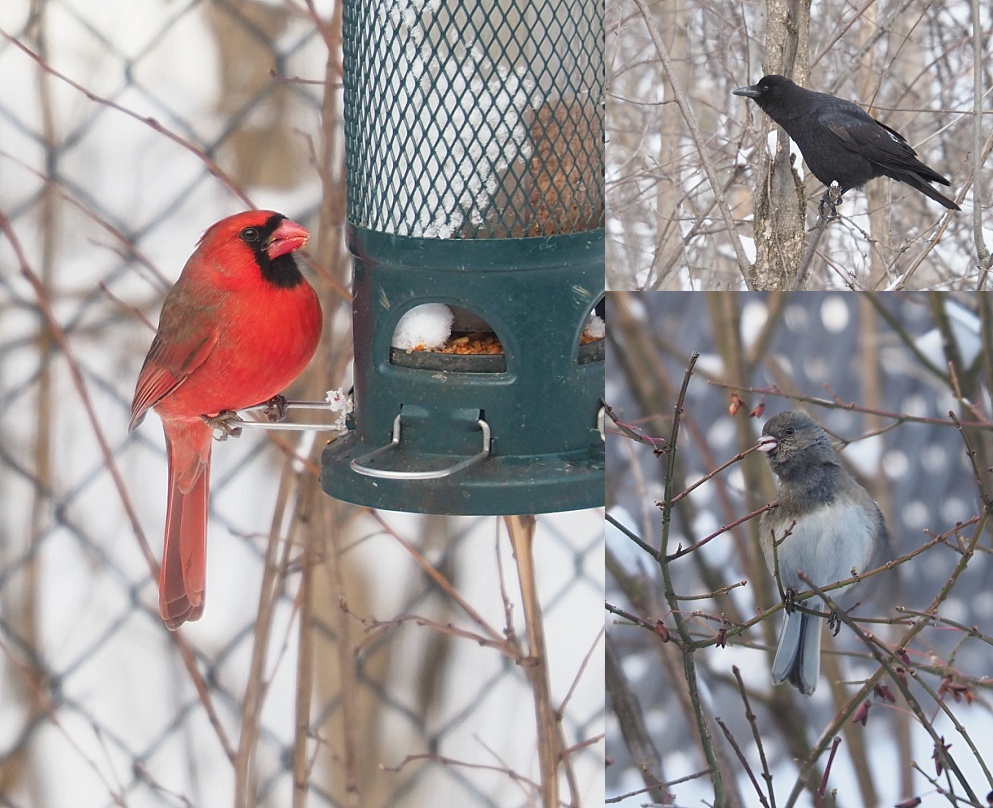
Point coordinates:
[[473, 119]]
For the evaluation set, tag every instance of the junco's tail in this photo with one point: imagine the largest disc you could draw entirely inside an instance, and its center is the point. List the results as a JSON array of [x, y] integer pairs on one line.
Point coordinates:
[[798, 657]]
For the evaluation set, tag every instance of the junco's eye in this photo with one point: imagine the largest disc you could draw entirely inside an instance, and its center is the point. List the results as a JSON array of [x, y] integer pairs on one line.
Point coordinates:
[[790, 431]]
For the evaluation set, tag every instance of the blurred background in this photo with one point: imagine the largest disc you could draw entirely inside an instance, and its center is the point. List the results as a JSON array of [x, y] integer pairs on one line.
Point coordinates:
[[881, 373], [910, 64], [346, 656]]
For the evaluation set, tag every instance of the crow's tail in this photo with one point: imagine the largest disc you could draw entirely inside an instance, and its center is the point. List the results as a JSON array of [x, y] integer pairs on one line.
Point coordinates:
[[914, 181]]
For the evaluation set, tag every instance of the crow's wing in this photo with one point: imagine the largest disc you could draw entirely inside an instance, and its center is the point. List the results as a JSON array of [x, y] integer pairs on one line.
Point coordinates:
[[876, 142]]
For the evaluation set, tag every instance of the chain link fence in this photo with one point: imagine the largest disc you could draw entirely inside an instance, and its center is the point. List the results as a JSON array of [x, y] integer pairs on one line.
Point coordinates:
[[346, 657]]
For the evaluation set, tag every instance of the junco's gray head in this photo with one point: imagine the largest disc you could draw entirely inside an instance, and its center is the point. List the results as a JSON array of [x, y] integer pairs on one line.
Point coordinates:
[[794, 443]]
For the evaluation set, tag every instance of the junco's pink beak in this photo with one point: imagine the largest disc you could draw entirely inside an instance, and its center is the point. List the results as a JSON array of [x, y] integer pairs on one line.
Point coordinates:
[[767, 443]]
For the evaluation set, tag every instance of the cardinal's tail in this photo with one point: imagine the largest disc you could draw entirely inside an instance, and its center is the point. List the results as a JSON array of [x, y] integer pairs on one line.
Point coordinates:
[[183, 577]]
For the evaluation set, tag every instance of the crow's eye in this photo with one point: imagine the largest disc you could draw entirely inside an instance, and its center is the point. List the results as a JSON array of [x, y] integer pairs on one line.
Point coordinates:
[[249, 235]]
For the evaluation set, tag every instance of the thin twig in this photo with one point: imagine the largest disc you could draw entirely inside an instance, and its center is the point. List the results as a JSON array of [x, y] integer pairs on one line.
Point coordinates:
[[720, 531], [697, 137], [689, 667], [822, 787], [756, 735], [800, 281], [711, 474], [899, 417], [148, 121], [630, 717], [743, 760], [611, 520], [979, 64], [521, 530]]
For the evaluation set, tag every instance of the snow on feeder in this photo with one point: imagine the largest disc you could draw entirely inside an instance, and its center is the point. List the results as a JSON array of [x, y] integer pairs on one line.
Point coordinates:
[[474, 139]]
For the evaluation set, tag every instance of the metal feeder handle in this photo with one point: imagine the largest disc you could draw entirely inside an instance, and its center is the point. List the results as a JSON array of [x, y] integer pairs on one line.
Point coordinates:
[[356, 464]]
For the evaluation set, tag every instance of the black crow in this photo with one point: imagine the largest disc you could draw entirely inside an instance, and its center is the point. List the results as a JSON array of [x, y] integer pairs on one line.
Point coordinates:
[[841, 142]]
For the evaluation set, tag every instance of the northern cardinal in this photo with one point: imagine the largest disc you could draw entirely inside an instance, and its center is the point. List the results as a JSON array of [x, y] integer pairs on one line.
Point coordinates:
[[240, 324]]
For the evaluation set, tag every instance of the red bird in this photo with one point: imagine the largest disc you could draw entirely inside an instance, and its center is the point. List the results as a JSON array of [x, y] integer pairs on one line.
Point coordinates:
[[240, 325]]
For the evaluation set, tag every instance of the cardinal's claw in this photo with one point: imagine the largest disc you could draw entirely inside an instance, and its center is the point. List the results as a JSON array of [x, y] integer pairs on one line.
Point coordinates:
[[226, 423], [275, 408]]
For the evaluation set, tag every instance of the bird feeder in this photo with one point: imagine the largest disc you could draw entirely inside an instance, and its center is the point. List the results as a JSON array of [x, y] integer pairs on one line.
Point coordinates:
[[474, 140]]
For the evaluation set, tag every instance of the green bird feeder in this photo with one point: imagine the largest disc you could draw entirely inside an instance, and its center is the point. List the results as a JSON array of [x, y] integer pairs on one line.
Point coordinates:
[[474, 139]]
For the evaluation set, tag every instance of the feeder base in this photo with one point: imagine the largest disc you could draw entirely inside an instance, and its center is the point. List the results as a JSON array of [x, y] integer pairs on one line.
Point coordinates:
[[496, 486]]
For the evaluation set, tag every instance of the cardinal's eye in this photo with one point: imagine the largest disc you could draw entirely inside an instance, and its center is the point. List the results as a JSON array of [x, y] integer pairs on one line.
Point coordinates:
[[249, 235]]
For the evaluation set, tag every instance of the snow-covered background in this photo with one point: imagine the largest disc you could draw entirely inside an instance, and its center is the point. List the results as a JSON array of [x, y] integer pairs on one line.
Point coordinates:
[[155, 119]]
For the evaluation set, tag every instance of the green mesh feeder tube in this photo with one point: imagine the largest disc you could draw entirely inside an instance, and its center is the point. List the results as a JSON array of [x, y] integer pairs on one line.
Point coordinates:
[[474, 140]]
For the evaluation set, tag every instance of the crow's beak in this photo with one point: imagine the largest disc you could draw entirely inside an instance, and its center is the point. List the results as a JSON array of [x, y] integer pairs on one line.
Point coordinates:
[[748, 92]]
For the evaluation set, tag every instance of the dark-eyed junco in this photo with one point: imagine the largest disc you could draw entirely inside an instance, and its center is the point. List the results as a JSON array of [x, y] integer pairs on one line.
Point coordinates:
[[826, 525]]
